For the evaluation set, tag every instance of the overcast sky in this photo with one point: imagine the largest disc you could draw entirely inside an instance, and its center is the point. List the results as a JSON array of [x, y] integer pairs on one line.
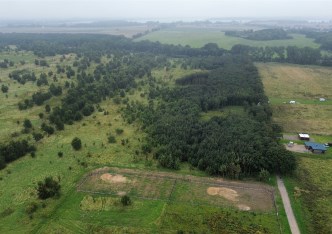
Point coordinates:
[[152, 9]]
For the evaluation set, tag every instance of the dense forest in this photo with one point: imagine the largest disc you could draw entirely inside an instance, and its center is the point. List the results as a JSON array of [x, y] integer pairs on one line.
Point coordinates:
[[234, 145]]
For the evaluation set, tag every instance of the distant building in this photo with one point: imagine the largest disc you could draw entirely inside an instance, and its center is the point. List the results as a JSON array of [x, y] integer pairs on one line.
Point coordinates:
[[322, 99], [315, 147], [304, 136]]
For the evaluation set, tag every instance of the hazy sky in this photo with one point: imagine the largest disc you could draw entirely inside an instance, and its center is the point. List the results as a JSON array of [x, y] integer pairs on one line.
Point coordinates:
[[177, 9]]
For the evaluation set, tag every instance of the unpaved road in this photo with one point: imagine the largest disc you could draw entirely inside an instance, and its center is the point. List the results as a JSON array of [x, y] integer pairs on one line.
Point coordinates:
[[289, 212]]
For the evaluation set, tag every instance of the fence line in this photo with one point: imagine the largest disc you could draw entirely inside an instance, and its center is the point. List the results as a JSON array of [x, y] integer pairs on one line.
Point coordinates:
[[175, 179]]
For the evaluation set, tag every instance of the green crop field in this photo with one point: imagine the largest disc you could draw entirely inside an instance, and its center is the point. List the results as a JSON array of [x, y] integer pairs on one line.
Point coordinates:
[[196, 37]]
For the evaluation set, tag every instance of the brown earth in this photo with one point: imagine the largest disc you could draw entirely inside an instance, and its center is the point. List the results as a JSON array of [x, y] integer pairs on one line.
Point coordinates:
[[113, 178], [227, 193]]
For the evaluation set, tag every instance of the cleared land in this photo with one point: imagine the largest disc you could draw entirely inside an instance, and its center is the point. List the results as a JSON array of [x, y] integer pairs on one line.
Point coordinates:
[[198, 37], [305, 85], [179, 188]]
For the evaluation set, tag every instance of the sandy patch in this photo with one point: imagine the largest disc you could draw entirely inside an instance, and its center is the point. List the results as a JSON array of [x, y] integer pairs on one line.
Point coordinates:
[[227, 193], [243, 207], [113, 178]]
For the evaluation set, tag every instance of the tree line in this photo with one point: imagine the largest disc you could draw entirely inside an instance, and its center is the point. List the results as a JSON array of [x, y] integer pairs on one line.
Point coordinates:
[[261, 35]]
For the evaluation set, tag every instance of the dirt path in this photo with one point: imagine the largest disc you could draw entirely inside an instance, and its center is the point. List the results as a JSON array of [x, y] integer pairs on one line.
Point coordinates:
[[288, 208]]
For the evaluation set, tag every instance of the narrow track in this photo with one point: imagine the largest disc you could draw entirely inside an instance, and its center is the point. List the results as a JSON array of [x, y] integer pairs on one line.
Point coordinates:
[[288, 208]]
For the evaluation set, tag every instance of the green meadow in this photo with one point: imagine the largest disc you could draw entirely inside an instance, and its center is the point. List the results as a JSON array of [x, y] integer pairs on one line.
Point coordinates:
[[198, 37]]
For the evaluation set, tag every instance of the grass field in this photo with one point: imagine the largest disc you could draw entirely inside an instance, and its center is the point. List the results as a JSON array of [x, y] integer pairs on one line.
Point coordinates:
[[310, 193], [196, 37], [309, 189], [305, 85], [127, 31]]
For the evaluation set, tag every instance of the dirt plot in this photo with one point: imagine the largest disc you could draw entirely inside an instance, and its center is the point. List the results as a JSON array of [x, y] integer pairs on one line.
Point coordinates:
[[294, 137], [113, 178], [229, 194], [297, 148], [173, 187]]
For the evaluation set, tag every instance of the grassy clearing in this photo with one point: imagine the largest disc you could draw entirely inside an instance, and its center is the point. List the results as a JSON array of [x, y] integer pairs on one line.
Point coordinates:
[[305, 85], [198, 37]]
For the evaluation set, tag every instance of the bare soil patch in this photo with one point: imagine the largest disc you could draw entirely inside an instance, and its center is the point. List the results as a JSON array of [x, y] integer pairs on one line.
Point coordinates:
[[290, 137], [243, 207], [172, 187], [294, 137], [297, 148], [113, 178], [229, 194]]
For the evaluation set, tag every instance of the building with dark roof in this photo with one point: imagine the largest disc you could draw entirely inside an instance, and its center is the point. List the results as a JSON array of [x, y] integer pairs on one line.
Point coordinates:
[[315, 147]]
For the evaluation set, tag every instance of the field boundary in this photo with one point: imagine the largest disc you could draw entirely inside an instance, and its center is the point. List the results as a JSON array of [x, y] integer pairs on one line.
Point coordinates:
[[175, 179]]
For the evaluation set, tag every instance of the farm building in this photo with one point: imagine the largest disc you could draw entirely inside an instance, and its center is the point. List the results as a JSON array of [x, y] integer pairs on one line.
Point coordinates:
[[315, 147], [304, 136]]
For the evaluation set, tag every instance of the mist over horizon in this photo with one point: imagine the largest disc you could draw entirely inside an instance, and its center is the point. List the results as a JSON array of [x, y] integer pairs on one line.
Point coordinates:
[[164, 11]]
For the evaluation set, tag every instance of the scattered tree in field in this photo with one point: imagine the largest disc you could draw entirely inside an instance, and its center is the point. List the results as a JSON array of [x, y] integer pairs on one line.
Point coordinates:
[[119, 131], [48, 188], [111, 139], [27, 124], [49, 129], [47, 108], [4, 88], [76, 143], [125, 200], [37, 136]]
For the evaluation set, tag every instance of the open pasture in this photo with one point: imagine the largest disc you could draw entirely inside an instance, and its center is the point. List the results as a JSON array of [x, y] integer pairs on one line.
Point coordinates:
[[198, 37], [127, 31], [305, 85]]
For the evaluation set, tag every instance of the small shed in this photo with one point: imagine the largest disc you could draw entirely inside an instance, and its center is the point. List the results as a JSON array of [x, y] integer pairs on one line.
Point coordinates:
[[315, 147], [304, 136]]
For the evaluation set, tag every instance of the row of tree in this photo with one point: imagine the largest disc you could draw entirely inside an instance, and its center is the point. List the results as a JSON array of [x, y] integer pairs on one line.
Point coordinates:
[[261, 35]]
